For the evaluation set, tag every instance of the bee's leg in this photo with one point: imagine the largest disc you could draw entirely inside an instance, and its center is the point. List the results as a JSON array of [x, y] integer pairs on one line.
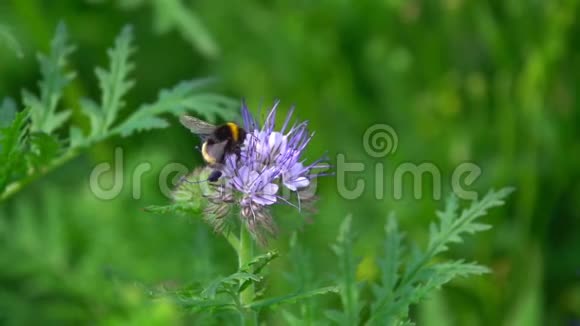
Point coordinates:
[[214, 176], [237, 151]]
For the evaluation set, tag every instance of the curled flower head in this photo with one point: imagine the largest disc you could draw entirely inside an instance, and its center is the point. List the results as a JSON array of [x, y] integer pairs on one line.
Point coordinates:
[[270, 162]]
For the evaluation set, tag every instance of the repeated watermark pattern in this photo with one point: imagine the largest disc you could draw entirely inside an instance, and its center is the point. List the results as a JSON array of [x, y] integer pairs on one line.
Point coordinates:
[[379, 141]]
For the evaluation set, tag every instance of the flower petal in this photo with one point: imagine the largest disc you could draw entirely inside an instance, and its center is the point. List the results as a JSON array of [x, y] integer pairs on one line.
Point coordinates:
[[297, 183]]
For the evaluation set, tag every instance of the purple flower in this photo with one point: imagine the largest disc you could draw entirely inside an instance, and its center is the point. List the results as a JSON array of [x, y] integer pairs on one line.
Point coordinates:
[[269, 161]]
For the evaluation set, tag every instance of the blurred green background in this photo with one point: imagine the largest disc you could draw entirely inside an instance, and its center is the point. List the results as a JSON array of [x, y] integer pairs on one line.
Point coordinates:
[[494, 83]]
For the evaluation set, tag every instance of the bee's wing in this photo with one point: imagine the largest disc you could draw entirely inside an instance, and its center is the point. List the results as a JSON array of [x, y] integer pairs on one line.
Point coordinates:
[[216, 150], [196, 125]]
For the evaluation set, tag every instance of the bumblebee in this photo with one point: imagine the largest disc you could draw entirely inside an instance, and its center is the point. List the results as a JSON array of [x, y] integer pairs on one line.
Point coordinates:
[[218, 141]]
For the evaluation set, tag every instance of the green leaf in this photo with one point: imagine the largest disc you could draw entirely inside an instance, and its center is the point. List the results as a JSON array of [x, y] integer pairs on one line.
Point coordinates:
[[185, 97], [435, 311], [258, 264], [302, 275], [404, 323], [452, 226], [45, 117], [115, 82], [527, 306], [433, 277], [56, 120], [294, 297], [12, 143], [418, 278], [349, 289], [291, 319], [394, 249], [43, 149], [187, 196], [191, 298], [174, 14], [76, 137], [7, 112], [229, 284], [8, 40], [97, 121], [179, 208], [220, 294], [143, 123], [43, 108], [390, 264]]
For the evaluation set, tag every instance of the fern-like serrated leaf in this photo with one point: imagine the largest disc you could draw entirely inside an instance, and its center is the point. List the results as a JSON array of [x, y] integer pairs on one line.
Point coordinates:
[[143, 124], [419, 277], [293, 297], [8, 40], [96, 118], [173, 14], [187, 196], [259, 262], [211, 106], [228, 284], [76, 137], [191, 298], [349, 289], [301, 275], [394, 249], [46, 117], [7, 112], [56, 120], [433, 277], [115, 82], [257, 265], [43, 109], [184, 97], [43, 149], [12, 142], [390, 264], [451, 226]]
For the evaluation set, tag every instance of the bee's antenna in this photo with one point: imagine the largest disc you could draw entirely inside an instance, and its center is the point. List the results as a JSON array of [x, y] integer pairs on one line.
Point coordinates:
[[213, 177], [183, 179]]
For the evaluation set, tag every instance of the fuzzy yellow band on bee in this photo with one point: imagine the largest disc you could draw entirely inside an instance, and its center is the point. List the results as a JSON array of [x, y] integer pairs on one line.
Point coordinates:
[[235, 130], [208, 158]]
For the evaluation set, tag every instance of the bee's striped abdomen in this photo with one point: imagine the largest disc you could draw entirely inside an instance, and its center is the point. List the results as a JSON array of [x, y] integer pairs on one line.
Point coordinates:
[[235, 130]]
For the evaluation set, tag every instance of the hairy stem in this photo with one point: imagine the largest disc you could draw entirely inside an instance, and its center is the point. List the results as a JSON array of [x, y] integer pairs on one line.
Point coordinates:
[[245, 255], [233, 241]]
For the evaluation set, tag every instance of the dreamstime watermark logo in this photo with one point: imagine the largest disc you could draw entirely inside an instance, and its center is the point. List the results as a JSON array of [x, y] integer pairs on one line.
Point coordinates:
[[107, 181], [170, 174], [381, 140]]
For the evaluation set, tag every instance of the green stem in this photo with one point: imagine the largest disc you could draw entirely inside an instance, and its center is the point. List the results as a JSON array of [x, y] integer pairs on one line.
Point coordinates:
[[233, 241], [245, 255], [16, 186]]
